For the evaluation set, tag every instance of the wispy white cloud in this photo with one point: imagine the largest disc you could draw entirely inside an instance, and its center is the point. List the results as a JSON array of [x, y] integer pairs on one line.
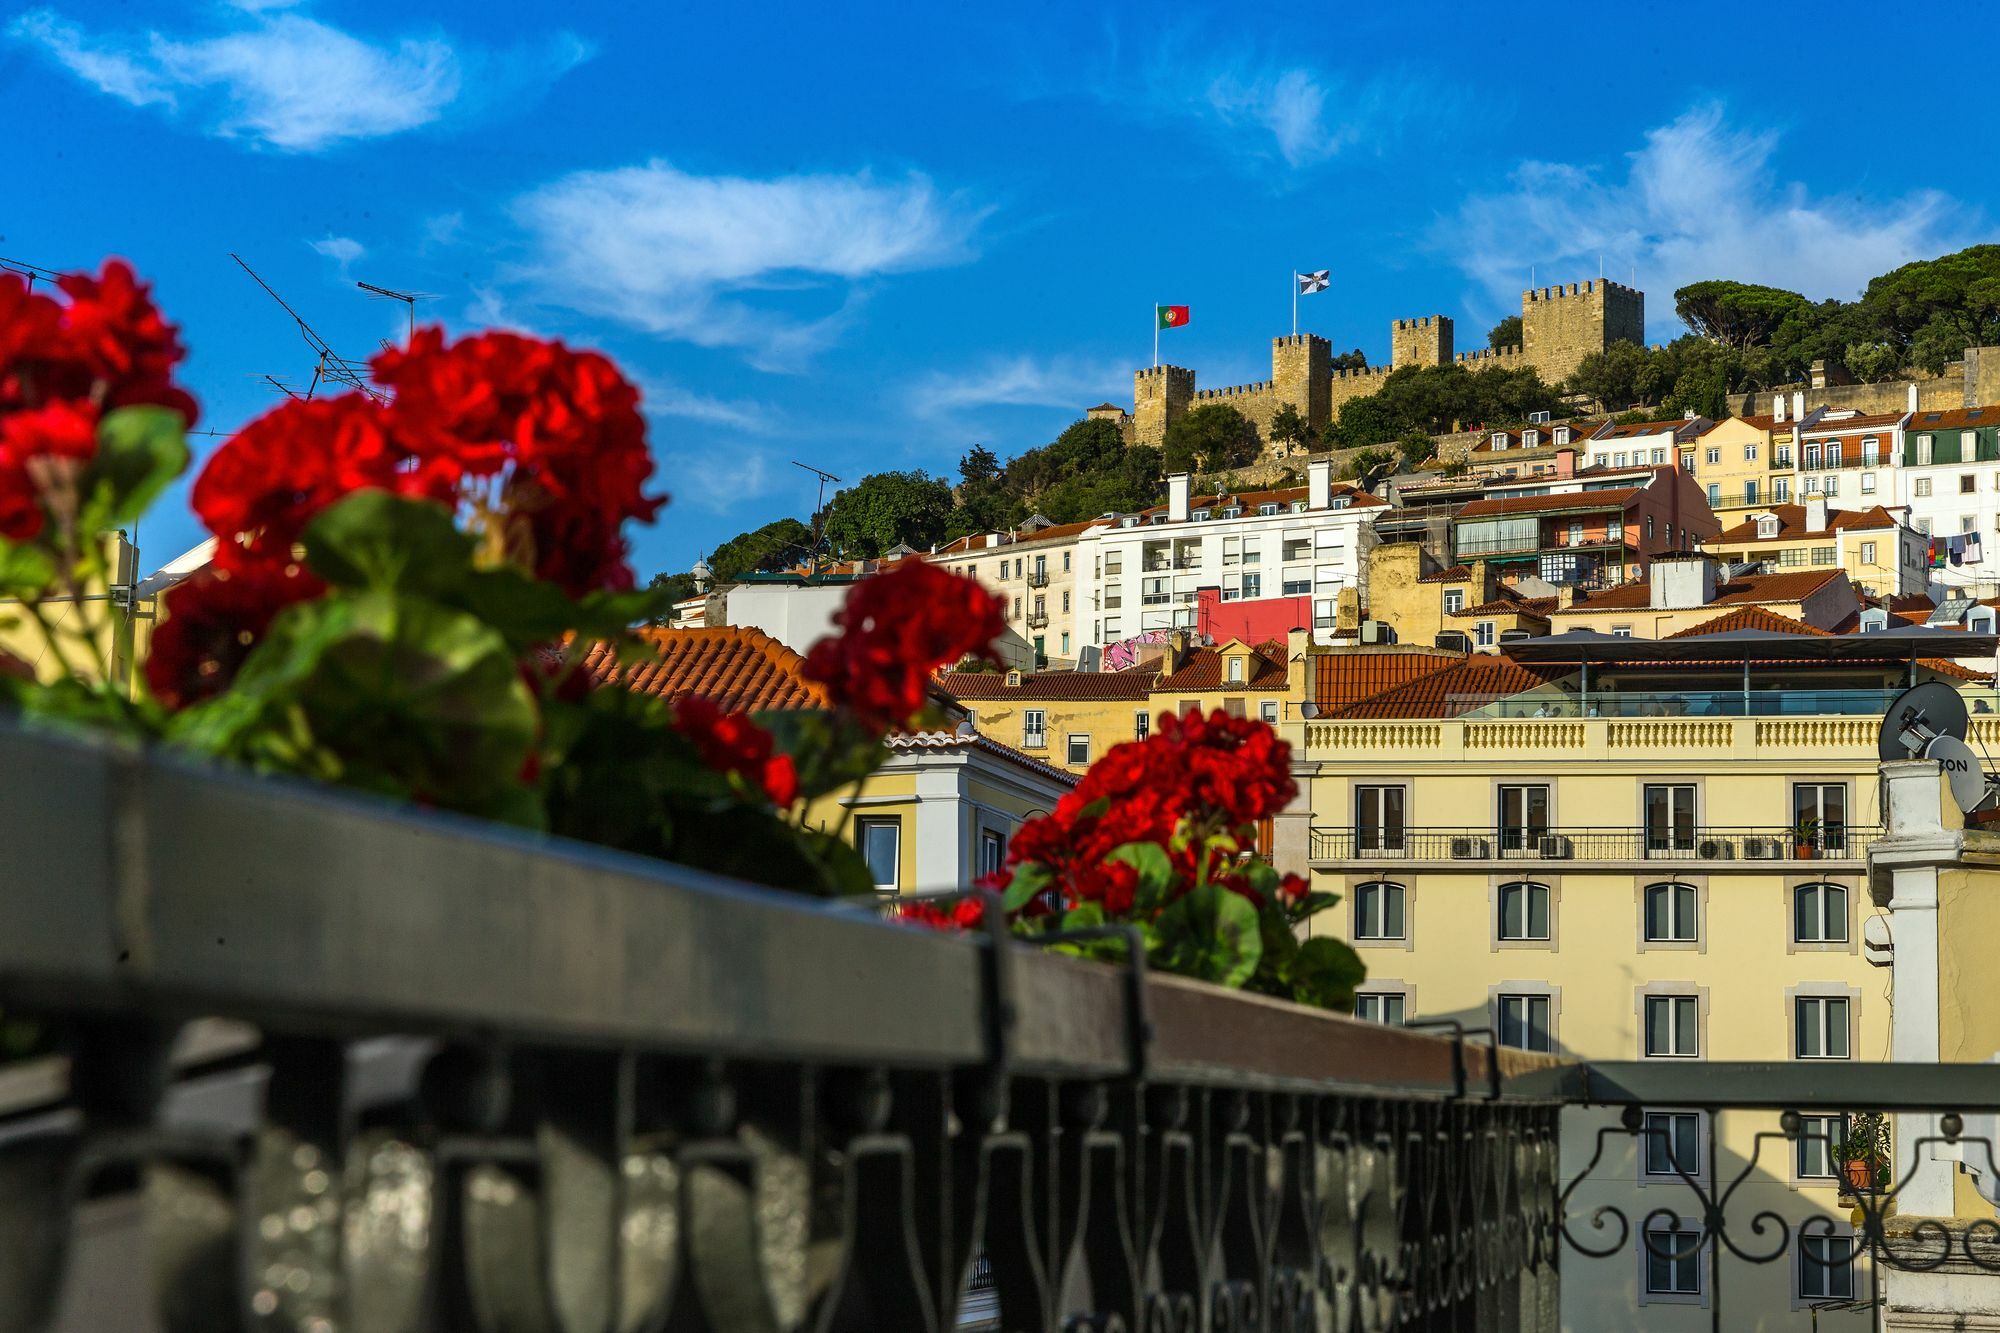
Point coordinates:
[[1698, 200], [682, 256], [444, 229], [283, 80], [665, 398], [721, 479], [344, 251], [1017, 381]]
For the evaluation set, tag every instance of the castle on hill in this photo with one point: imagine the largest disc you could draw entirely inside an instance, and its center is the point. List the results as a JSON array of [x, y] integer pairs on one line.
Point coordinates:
[[1559, 327]]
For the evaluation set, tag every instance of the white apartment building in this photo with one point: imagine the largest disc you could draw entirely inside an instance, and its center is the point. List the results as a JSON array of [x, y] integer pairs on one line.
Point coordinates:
[[1951, 483], [1300, 546], [1644, 443]]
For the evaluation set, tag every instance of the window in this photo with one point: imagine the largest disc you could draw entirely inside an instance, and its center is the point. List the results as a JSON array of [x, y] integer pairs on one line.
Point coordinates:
[[1298, 584], [1923, 486], [1825, 555], [1524, 1022], [1235, 670], [1819, 1136], [1826, 1268], [1714, 493], [1065, 643], [1966, 484], [1381, 1007], [1114, 562], [1687, 460], [1524, 815], [1868, 553], [1819, 815], [1482, 633], [1781, 490], [881, 844], [1065, 562], [1017, 609], [1142, 725], [1034, 729], [1672, 1026], [1781, 456], [1576, 532], [1621, 631], [1079, 748], [1833, 484], [1378, 819], [1871, 450], [1812, 457], [1267, 509], [1253, 551], [1673, 1261], [1820, 1027], [992, 851], [1618, 460], [1767, 526], [1454, 600], [1614, 530], [1378, 911], [1065, 602], [1524, 911], [1714, 455], [1749, 453], [1819, 914], [1649, 527], [1750, 492], [1253, 584], [1672, 1143], [1268, 710], [1659, 457], [1669, 811], [1672, 914]]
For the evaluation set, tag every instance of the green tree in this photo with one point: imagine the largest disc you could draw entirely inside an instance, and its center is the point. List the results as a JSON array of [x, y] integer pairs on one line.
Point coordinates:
[[1354, 360], [1416, 449], [1610, 378], [979, 464], [1961, 290], [679, 586], [777, 545], [1507, 333], [1737, 314], [1288, 427], [1871, 363], [1209, 439], [888, 508]]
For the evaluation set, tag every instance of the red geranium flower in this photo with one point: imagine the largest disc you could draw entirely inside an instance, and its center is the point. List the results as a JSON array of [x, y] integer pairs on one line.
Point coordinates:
[[895, 630], [731, 743], [212, 622]]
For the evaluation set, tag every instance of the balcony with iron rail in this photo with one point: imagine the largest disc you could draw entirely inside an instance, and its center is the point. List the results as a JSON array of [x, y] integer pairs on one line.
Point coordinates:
[[1038, 578], [339, 1063], [1709, 849], [1038, 620]]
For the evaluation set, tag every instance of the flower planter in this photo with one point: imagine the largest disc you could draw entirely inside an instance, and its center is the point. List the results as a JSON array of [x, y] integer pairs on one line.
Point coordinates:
[[1857, 1175], [1804, 851]]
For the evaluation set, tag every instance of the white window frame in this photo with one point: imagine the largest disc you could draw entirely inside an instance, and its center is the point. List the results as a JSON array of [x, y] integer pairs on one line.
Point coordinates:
[[1814, 1013], [864, 825], [1070, 744], [1034, 729], [1371, 913], [1805, 1265], [1142, 724], [1681, 1011]]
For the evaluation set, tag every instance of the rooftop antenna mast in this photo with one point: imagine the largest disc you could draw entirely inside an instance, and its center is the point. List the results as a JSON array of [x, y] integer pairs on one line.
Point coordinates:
[[409, 300], [330, 365], [29, 271], [819, 515]]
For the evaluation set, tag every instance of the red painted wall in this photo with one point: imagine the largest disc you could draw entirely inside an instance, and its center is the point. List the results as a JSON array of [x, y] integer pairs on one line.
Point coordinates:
[[1256, 621]]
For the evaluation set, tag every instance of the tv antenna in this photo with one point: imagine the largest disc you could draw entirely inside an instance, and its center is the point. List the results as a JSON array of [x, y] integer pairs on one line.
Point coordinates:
[[409, 299], [29, 271], [819, 514], [330, 365], [1929, 721]]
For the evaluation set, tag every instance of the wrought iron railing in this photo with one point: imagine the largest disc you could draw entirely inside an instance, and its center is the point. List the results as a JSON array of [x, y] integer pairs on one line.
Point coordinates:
[[1568, 843], [432, 1075], [1038, 578]]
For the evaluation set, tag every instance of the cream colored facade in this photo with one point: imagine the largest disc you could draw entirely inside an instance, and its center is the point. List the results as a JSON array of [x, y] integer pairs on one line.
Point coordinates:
[[1726, 957], [1034, 572], [1732, 465]]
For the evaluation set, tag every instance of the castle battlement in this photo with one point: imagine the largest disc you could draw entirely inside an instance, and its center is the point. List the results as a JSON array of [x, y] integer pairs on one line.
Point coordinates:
[[1235, 390], [1299, 340], [1487, 356], [1366, 372], [1596, 287], [1421, 323]]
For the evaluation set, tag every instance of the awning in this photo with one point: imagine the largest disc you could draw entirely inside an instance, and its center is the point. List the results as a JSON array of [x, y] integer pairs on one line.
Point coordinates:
[[1910, 642]]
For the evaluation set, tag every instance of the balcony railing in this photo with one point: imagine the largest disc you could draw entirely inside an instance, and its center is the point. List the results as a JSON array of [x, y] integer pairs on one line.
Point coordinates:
[[1755, 702], [1038, 578], [339, 1064], [1552, 846], [1038, 620]]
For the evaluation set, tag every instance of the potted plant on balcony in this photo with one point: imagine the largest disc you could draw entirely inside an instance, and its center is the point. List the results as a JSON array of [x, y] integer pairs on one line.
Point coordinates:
[[1864, 1153], [1805, 838]]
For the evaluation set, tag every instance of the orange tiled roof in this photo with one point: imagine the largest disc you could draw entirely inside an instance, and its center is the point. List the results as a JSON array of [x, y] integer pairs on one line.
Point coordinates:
[[1347, 677], [1431, 696], [974, 543], [951, 740], [1203, 671], [1750, 617], [1957, 417], [972, 686], [1454, 574], [1678, 427], [1745, 591], [1613, 498], [1512, 604], [739, 668], [1356, 498], [1865, 422], [1792, 523]]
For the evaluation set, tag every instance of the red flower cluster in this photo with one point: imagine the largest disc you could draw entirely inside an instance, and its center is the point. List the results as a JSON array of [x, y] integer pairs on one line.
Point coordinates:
[[1218, 774], [731, 743], [213, 620], [62, 365], [896, 629]]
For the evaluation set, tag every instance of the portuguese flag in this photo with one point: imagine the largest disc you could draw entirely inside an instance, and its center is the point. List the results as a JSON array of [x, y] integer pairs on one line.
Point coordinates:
[[1171, 316]]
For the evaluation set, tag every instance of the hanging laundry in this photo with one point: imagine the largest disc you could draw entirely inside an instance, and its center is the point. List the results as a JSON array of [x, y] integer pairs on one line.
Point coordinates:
[[1955, 550], [1972, 549]]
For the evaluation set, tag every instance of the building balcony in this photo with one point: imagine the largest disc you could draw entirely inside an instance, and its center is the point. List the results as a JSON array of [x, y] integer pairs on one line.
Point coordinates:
[[1038, 578], [1811, 732], [1038, 620], [1553, 848]]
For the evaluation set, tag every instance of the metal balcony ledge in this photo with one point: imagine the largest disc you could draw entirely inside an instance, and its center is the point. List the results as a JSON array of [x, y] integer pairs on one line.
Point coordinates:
[[1706, 848]]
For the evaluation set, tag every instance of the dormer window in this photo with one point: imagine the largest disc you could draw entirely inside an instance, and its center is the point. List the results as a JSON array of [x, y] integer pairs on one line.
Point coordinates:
[[1499, 439], [1767, 526], [1531, 439], [1013, 680], [1341, 502], [1298, 506], [1200, 516], [1562, 434], [1235, 665], [1267, 510], [1234, 511]]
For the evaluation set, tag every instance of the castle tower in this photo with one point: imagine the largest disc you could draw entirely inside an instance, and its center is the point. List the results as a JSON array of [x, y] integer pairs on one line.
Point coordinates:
[[1302, 375], [1420, 342], [1562, 325], [1160, 395]]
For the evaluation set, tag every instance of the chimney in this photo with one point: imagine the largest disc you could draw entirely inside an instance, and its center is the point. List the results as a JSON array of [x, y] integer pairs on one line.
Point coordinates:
[[1913, 397], [1298, 665], [1177, 497], [1681, 582], [1778, 408], [1565, 462], [1815, 513], [1798, 405], [1177, 650], [1319, 484]]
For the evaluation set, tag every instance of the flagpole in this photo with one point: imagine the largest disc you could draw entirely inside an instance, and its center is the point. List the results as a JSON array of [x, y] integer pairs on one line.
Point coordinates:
[[1156, 336], [1295, 303]]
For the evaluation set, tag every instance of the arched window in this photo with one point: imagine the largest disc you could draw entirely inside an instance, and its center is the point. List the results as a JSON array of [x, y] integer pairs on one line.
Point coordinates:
[[1378, 911], [1672, 914], [1524, 910], [1819, 914]]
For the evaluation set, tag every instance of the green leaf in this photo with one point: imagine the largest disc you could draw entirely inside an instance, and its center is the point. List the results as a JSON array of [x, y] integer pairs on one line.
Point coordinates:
[[372, 539], [1030, 878], [830, 750], [26, 571], [1211, 934], [1155, 868], [1325, 973], [1096, 809], [140, 450]]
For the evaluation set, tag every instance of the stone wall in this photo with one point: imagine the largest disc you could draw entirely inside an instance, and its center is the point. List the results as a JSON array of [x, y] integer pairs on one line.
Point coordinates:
[[1420, 342], [1258, 402], [1562, 325], [1160, 394], [1971, 382]]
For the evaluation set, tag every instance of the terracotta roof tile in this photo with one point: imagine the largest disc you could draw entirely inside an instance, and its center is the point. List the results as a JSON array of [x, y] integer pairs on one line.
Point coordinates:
[[971, 686], [1957, 417], [1863, 422], [1432, 696], [951, 740], [740, 669], [1750, 617], [1511, 604], [1792, 523], [1346, 677], [974, 543], [1203, 671], [1745, 591], [1614, 498], [1356, 498], [1454, 574]]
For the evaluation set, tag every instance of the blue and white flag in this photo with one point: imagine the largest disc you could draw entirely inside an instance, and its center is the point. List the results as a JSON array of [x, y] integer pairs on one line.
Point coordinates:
[[1312, 282]]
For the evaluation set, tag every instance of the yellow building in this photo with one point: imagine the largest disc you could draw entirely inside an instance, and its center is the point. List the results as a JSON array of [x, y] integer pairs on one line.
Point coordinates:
[[1684, 592], [1881, 554], [1732, 465], [1641, 851]]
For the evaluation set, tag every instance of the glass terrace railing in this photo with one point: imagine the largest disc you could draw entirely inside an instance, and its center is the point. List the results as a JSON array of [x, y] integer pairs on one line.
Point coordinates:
[[1701, 703]]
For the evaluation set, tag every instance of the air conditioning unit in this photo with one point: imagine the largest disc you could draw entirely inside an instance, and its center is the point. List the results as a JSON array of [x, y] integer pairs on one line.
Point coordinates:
[[1469, 849], [1713, 849], [1763, 849], [1456, 640], [1555, 847]]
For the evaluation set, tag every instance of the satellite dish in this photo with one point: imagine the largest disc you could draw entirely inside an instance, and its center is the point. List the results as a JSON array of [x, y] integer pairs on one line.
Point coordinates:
[[1962, 769], [1918, 716]]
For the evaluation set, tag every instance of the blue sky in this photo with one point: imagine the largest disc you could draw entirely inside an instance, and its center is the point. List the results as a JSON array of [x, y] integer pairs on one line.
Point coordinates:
[[869, 239]]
